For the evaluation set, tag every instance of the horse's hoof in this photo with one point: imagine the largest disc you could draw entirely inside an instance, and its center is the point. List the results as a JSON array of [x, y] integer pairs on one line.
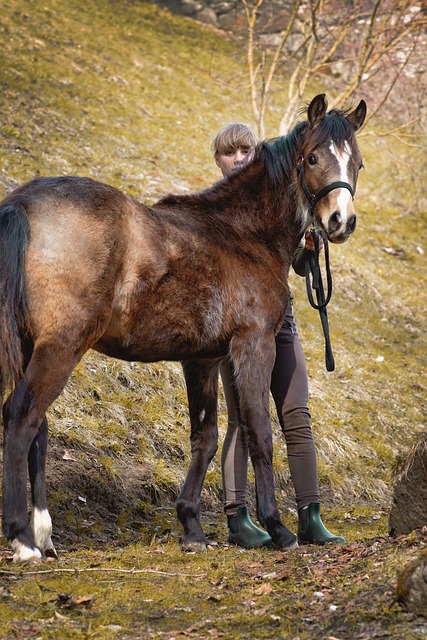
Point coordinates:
[[22, 553], [288, 547], [50, 553], [193, 547], [289, 543]]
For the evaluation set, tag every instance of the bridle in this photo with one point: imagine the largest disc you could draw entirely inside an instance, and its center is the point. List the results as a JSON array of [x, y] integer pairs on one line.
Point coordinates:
[[312, 261], [314, 198]]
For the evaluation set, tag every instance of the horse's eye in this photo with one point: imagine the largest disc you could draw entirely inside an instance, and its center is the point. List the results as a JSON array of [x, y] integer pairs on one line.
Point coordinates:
[[312, 159]]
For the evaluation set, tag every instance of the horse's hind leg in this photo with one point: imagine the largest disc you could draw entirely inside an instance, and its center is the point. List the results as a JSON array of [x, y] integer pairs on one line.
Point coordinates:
[[24, 432], [202, 389], [20, 428], [41, 522]]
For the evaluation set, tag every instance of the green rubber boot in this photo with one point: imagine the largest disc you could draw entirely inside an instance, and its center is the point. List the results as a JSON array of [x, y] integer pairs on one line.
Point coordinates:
[[311, 529], [244, 533]]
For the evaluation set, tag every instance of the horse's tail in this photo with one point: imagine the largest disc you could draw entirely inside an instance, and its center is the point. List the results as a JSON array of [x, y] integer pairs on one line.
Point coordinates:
[[14, 236]]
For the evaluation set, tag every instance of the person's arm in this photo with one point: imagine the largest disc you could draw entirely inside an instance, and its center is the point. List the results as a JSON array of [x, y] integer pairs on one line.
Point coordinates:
[[298, 262], [306, 244]]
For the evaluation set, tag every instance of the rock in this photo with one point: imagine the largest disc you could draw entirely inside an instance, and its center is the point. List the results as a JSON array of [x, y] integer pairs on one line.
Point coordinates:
[[190, 7], [208, 16], [409, 507], [232, 21], [411, 588], [229, 14]]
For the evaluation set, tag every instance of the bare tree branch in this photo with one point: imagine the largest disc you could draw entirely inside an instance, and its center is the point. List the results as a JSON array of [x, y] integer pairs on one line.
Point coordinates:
[[377, 46]]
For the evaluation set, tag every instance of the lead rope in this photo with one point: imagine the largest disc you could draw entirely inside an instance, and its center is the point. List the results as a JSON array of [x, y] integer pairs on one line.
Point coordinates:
[[312, 267]]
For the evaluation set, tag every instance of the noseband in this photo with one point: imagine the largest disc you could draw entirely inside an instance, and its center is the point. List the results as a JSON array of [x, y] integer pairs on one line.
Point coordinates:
[[314, 198]]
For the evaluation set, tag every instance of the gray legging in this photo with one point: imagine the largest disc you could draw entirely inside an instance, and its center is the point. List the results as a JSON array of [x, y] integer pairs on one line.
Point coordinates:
[[289, 388]]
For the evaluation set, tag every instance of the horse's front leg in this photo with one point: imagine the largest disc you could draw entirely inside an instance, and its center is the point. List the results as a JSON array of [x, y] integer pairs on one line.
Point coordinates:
[[201, 378], [253, 364]]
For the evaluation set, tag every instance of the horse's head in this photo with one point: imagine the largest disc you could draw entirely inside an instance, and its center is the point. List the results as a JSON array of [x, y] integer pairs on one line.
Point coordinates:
[[328, 167]]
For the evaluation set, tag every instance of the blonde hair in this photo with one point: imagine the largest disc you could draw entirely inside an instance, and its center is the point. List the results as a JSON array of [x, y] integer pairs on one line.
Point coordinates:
[[233, 136]]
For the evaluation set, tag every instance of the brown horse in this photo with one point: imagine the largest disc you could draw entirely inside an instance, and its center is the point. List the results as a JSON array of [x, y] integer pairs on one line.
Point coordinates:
[[192, 278]]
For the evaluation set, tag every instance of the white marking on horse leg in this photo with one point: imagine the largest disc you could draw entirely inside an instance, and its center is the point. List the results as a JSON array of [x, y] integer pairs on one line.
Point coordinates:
[[22, 553], [41, 526], [202, 415]]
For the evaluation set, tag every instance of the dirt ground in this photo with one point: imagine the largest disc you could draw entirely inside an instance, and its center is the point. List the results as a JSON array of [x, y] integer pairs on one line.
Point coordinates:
[[120, 574]]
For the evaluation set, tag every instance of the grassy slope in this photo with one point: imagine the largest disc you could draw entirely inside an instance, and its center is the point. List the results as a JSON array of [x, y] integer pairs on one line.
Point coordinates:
[[123, 93], [128, 94], [132, 95]]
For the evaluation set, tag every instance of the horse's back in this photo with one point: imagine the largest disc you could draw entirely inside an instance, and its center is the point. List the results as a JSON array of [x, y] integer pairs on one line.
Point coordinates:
[[75, 251], [47, 200]]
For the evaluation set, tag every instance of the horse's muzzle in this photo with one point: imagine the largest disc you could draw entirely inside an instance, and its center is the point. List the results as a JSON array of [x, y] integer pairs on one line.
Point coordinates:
[[339, 230]]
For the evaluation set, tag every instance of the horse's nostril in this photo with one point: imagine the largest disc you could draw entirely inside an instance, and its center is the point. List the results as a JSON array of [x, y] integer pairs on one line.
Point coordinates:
[[351, 224], [334, 222]]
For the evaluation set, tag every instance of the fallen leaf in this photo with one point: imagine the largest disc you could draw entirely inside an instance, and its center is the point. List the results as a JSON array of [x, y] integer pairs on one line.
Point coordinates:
[[398, 253], [263, 589], [83, 600], [68, 602], [68, 456], [59, 616], [215, 598]]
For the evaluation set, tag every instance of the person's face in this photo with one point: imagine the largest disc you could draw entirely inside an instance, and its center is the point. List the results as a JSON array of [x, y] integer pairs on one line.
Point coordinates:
[[232, 160]]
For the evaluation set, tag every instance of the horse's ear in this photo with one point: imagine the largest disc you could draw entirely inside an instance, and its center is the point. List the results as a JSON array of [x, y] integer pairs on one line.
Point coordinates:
[[357, 117], [317, 110]]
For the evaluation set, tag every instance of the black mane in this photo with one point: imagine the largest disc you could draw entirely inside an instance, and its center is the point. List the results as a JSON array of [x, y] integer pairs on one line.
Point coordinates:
[[275, 159]]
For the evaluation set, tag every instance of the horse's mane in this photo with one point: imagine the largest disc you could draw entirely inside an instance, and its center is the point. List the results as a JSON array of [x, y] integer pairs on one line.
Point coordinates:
[[277, 157], [333, 126]]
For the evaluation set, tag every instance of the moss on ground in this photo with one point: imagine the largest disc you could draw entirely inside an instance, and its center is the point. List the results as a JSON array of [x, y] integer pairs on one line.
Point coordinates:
[[135, 591]]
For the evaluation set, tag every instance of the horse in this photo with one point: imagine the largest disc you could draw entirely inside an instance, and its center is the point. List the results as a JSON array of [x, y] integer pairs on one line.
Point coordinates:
[[192, 278]]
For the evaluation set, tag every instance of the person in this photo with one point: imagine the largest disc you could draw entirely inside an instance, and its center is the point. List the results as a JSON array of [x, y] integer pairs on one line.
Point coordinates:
[[233, 147]]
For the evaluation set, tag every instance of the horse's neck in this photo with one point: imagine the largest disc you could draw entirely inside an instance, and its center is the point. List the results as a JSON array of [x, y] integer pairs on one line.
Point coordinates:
[[244, 207], [280, 217]]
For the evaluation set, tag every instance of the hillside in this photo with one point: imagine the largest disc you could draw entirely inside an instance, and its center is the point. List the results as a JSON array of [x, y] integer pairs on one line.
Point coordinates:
[[140, 114], [132, 95]]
